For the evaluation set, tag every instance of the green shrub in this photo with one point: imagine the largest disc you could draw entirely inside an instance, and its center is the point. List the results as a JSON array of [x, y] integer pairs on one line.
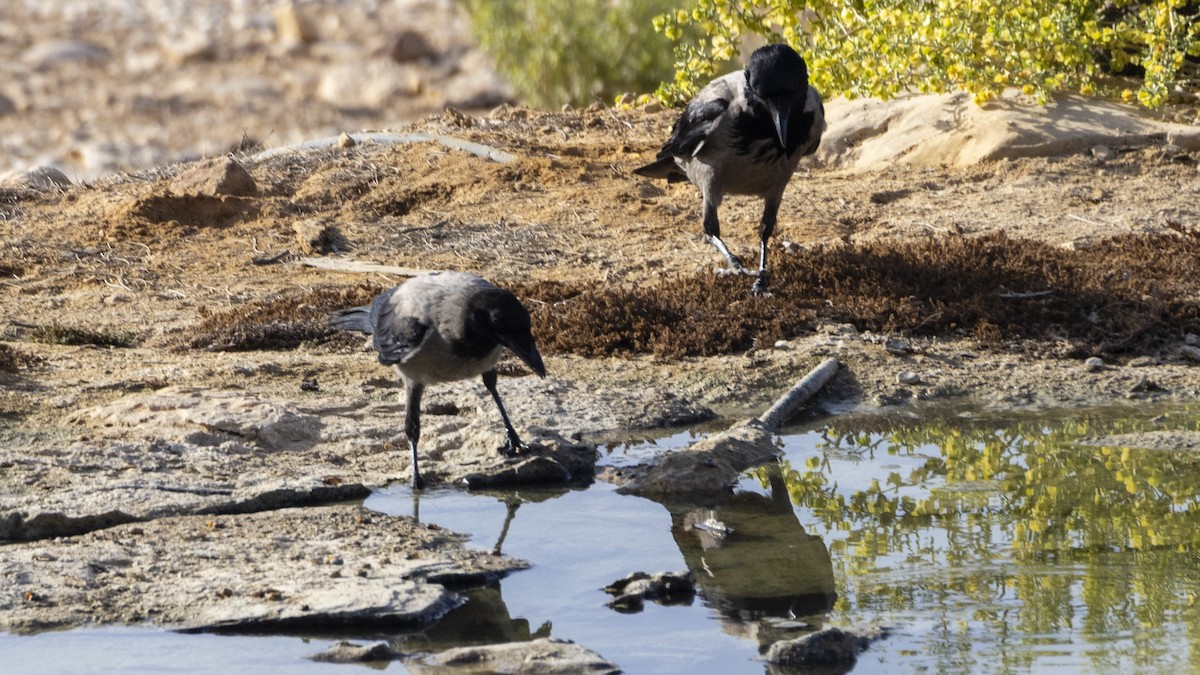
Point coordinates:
[[556, 51], [883, 47]]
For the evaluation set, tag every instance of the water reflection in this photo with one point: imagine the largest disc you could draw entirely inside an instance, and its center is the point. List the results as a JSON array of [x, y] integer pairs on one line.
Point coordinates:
[[992, 545], [751, 557], [483, 619]]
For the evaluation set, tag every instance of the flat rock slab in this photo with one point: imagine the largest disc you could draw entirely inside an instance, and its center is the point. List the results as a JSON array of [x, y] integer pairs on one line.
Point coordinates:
[[949, 129], [315, 567], [544, 656], [186, 450]]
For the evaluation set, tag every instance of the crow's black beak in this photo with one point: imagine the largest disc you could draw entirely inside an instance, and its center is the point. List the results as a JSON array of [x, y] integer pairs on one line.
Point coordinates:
[[527, 352], [781, 109]]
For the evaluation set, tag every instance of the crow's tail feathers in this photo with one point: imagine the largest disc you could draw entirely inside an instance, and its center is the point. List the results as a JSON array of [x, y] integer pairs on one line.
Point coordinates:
[[663, 167], [354, 318]]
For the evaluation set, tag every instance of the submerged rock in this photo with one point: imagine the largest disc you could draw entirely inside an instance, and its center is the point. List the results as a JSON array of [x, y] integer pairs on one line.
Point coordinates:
[[544, 656], [668, 588], [348, 652], [316, 567], [830, 647]]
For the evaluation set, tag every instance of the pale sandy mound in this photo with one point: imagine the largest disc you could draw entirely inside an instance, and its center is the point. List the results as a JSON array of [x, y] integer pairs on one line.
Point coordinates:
[[950, 130]]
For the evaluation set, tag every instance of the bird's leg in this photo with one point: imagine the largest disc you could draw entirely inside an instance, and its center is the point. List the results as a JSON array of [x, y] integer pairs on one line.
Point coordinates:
[[712, 234], [512, 444], [765, 230], [412, 426]]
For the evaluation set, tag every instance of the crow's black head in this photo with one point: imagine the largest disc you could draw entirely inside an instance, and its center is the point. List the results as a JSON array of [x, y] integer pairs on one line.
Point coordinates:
[[777, 71], [778, 77], [501, 315]]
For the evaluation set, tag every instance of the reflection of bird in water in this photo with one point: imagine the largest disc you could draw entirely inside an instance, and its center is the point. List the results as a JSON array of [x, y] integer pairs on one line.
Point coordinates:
[[752, 558]]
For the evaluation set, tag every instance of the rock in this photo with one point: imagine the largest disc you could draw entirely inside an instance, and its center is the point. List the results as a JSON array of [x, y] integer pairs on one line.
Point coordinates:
[[1190, 352], [407, 46], [1103, 153], [262, 570], [709, 466], [1143, 362], [348, 652], [548, 459], [41, 178], [345, 140], [1094, 364], [1191, 339], [668, 588], [7, 106], [898, 346], [827, 647], [216, 176], [544, 656], [907, 377]]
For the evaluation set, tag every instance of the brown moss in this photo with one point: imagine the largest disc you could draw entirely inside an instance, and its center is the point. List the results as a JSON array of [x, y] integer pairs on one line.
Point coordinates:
[[281, 322], [1123, 295]]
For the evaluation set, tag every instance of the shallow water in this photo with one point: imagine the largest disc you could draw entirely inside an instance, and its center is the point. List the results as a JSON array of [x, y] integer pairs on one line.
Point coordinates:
[[985, 544]]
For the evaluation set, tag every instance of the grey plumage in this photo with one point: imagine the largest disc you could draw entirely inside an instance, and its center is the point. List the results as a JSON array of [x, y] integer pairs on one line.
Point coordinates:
[[744, 133], [441, 327]]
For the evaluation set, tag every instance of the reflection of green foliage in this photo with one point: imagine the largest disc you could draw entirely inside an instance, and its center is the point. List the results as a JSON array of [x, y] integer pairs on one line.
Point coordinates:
[[555, 52], [1021, 525]]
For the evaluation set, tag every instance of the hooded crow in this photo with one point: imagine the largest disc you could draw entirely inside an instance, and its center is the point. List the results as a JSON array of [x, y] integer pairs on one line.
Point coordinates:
[[743, 134], [441, 327]]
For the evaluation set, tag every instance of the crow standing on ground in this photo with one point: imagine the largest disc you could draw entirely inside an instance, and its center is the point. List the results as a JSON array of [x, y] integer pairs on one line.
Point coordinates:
[[743, 134], [441, 327]]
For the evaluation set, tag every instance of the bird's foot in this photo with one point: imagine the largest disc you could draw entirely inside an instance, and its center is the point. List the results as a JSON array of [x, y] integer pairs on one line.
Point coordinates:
[[418, 482], [512, 447], [759, 288]]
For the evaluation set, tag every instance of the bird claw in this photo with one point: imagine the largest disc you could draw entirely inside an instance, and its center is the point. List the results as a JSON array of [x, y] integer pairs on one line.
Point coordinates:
[[760, 284], [511, 448]]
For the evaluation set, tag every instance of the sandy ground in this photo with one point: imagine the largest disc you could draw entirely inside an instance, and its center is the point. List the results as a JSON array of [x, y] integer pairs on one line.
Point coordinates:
[[164, 349]]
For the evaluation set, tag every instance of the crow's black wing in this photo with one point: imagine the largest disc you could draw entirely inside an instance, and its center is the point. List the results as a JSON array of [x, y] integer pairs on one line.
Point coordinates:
[[395, 337], [693, 127]]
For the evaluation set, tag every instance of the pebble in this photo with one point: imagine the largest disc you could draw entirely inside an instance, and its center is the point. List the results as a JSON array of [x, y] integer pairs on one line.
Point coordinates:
[[345, 140], [1190, 352], [1191, 339], [908, 377], [1094, 364], [1103, 153], [217, 176]]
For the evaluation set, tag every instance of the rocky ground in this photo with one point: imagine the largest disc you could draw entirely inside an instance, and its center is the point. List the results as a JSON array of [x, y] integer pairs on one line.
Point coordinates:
[[167, 376]]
